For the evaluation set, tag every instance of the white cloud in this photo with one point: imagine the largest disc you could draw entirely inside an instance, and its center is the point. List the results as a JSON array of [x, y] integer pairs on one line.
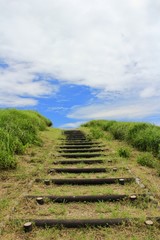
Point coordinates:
[[57, 109], [17, 82], [14, 101], [150, 92], [133, 110], [71, 125], [108, 45]]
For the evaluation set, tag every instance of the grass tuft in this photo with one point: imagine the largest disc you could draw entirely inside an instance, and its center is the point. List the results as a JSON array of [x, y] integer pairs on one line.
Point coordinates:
[[124, 152], [146, 159], [18, 130]]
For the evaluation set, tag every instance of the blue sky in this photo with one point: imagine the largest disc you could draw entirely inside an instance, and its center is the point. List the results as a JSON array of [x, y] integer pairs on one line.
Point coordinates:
[[74, 61]]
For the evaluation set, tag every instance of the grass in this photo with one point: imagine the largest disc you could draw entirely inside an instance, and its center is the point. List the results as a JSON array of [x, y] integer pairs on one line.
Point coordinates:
[[85, 210], [15, 183], [132, 233], [146, 159], [35, 163], [86, 190], [18, 130], [142, 136], [124, 152], [3, 204]]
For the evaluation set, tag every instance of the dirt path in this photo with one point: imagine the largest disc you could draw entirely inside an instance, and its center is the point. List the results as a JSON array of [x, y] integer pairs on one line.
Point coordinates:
[[107, 188]]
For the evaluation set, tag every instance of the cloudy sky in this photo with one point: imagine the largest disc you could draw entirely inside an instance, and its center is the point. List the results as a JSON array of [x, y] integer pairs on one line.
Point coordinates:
[[76, 60]]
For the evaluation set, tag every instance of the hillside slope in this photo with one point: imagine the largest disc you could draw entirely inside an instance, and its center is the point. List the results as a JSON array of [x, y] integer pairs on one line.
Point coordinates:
[[18, 129], [144, 137], [51, 161]]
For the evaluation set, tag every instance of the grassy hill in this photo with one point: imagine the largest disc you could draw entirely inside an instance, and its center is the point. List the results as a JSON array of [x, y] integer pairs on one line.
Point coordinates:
[[18, 129], [39, 161], [143, 136]]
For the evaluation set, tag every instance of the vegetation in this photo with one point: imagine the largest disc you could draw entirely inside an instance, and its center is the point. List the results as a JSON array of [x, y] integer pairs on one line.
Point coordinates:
[[18, 129], [124, 152], [146, 159], [35, 163], [143, 136], [96, 133]]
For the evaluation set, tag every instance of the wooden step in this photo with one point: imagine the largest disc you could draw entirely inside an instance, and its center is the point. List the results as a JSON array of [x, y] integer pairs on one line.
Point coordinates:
[[81, 150], [80, 146], [79, 143], [85, 181], [88, 198], [85, 161], [85, 223], [81, 155], [77, 170]]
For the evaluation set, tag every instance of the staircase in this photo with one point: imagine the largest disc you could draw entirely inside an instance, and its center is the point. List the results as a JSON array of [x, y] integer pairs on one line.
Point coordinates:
[[82, 157]]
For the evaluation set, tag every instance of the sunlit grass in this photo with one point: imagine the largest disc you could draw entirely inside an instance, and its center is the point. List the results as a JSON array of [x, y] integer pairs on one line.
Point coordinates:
[[143, 136], [18, 129]]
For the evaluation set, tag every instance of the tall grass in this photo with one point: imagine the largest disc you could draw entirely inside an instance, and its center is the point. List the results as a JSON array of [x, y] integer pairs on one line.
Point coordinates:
[[143, 136], [18, 129]]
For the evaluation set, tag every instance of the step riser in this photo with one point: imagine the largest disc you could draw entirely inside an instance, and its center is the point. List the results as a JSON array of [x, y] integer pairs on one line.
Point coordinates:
[[79, 147], [81, 155], [74, 133], [75, 223], [80, 223], [87, 181], [80, 150], [75, 143], [78, 170], [68, 199], [76, 137], [79, 161]]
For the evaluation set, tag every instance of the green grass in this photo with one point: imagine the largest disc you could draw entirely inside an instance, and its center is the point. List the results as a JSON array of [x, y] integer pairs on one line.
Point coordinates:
[[18, 130], [146, 159], [3, 203], [124, 152], [143, 136], [96, 133]]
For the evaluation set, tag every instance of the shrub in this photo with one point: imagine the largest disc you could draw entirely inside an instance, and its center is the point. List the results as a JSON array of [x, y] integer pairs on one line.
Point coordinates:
[[107, 125], [7, 160], [124, 152], [118, 129], [146, 159], [96, 132], [134, 129]]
